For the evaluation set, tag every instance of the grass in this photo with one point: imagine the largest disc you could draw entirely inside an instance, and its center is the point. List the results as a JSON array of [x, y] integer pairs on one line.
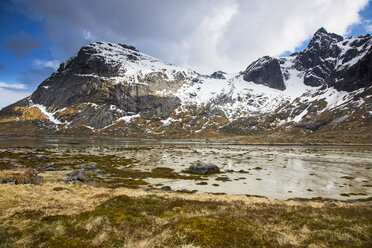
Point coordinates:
[[103, 214], [118, 169], [67, 215]]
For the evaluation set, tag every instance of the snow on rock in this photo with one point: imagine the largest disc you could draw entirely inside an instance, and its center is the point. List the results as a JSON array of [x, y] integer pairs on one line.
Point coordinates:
[[232, 93], [133, 65], [45, 112]]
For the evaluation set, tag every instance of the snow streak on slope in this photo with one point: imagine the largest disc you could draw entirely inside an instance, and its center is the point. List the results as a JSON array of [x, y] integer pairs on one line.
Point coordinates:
[[232, 94], [134, 64], [351, 46]]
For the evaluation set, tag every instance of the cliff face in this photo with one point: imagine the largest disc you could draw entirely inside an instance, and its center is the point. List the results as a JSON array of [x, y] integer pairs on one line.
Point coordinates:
[[114, 89]]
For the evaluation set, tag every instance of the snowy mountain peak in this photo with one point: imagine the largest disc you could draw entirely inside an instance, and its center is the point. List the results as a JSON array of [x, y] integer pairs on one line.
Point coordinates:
[[114, 88], [322, 33]]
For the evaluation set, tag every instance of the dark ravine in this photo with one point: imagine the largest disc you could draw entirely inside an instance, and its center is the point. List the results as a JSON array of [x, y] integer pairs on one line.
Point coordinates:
[[109, 89]]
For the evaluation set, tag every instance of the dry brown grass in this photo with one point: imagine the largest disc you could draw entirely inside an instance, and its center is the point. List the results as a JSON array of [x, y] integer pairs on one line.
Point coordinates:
[[72, 199], [58, 198], [75, 215]]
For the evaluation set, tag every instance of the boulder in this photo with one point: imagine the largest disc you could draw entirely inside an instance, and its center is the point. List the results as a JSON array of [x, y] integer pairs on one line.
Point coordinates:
[[166, 188], [76, 176], [203, 168]]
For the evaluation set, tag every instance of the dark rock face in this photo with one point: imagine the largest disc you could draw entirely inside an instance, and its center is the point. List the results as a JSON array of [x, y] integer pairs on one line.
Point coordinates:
[[218, 75], [85, 78], [85, 63], [358, 76], [311, 124], [323, 60], [266, 71], [314, 60], [203, 168]]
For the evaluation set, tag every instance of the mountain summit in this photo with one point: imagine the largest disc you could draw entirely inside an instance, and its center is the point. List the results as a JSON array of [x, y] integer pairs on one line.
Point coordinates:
[[321, 94]]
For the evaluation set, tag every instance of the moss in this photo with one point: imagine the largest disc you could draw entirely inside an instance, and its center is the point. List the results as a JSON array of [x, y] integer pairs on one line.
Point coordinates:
[[59, 188], [221, 231], [348, 177], [68, 114], [202, 183], [204, 224], [3, 165], [223, 179], [358, 194], [30, 114], [29, 214]]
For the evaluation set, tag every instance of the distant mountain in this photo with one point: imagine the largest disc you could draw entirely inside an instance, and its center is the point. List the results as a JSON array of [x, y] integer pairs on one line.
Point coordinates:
[[321, 94]]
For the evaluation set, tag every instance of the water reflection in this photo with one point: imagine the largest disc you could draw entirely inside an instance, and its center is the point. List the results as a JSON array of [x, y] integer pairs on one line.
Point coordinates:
[[274, 171]]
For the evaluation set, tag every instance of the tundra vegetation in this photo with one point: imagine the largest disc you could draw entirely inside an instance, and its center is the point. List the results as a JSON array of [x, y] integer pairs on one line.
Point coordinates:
[[39, 208]]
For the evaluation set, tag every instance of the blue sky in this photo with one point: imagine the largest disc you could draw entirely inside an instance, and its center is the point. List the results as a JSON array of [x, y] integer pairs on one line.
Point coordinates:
[[37, 35]]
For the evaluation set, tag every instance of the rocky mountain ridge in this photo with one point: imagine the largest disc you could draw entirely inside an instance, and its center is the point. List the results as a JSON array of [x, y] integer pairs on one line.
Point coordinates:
[[113, 89]]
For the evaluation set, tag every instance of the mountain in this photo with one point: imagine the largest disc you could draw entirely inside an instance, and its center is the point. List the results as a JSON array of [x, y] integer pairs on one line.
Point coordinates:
[[321, 94]]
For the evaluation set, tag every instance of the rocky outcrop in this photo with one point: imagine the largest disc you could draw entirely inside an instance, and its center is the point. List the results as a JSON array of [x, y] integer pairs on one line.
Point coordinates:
[[266, 71], [358, 76], [330, 60], [89, 77], [311, 124], [317, 60], [218, 75], [203, 168]]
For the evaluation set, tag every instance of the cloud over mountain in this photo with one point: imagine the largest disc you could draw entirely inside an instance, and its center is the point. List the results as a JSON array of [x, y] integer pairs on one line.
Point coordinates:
[[203, 34]]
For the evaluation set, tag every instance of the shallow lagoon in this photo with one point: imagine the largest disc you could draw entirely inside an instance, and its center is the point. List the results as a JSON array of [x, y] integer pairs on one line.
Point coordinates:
[[273, 171]]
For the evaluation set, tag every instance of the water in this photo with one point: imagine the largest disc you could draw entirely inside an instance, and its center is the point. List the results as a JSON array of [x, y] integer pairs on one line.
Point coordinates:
[[279, 172]]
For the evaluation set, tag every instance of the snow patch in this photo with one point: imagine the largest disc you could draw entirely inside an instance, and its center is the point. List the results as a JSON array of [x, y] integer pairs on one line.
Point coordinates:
[[50, 116]]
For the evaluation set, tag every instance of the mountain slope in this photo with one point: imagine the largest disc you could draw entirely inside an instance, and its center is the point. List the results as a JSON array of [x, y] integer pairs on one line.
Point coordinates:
[[113, 89]]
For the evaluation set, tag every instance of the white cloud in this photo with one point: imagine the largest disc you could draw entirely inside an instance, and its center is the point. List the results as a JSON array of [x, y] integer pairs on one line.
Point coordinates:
[[204, 34], [12, 86], [8, 97], [273, 27], [368, 28], [54, 64], [367, 25]]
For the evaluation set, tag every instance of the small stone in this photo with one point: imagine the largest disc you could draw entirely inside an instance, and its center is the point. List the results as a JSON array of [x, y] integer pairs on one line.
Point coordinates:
[[166, 188]]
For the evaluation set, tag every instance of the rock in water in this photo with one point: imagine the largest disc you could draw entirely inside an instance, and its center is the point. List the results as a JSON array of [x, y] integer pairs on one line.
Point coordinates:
[[203, 168], [166, 188]]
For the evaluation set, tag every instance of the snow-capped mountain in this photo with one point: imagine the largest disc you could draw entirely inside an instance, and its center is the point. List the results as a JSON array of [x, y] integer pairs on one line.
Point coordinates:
[[114, 89]]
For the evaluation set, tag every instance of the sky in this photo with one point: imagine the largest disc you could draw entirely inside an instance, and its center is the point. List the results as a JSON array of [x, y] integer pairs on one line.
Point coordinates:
[[204, 35]]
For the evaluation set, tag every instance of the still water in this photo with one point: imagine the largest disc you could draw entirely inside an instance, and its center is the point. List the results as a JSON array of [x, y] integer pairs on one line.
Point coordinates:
[[273, 171]]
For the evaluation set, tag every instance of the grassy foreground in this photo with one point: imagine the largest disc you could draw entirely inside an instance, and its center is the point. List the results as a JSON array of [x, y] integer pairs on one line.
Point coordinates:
[[56, 214]]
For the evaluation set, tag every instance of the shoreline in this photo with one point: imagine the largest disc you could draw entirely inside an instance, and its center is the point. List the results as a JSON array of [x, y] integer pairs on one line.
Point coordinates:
[[175, 141]]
